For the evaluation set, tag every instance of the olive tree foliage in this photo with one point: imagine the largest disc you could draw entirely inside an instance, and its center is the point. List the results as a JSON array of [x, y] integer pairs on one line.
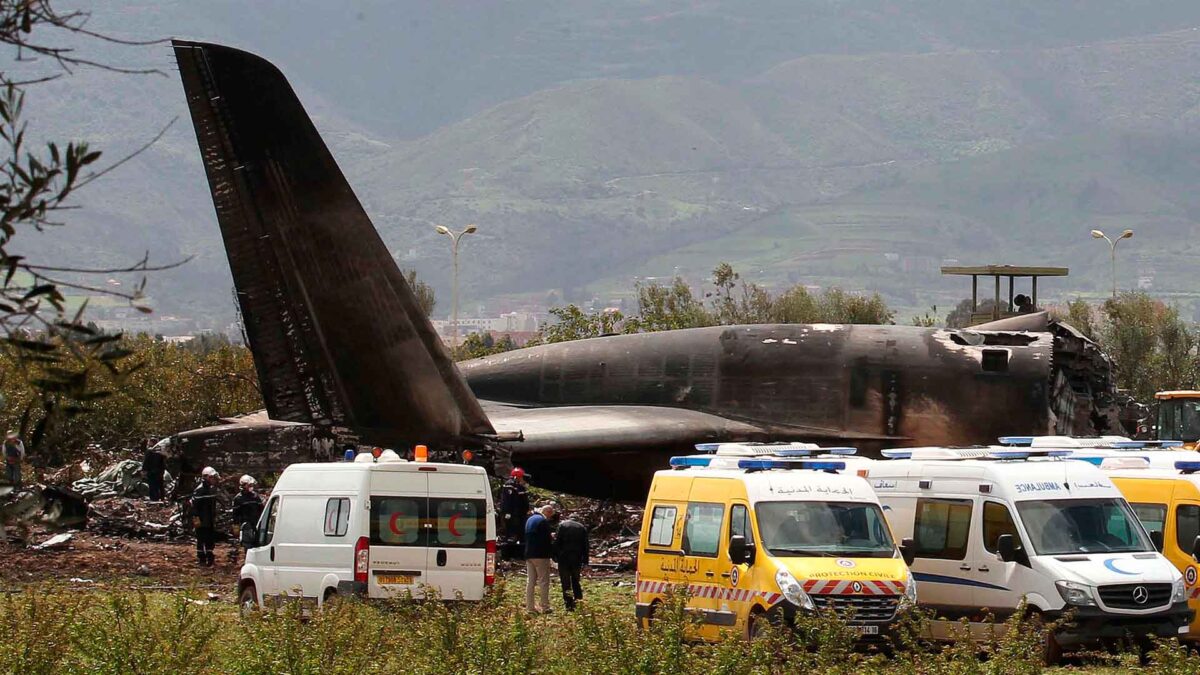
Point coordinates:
[[1153, 348], [424, 292], [175, 386], [68, 365], [731, 300]]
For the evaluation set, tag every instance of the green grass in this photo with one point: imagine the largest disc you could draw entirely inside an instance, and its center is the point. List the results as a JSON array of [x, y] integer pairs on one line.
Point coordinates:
[[56, 630]]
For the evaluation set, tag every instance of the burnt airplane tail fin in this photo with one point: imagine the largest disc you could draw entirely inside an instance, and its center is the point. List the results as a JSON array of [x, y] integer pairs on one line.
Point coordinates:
[[338, 336]]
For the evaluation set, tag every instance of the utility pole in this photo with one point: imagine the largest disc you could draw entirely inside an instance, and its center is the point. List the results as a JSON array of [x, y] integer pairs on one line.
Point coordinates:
[[454, 239], [1112, 246]]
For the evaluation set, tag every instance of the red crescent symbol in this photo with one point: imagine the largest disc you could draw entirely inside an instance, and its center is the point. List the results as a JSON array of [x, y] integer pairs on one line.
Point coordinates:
[[450, 525], [392, 525]]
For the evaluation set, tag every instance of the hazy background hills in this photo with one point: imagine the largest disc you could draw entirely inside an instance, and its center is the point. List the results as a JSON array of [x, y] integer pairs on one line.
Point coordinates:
[[824, 142]]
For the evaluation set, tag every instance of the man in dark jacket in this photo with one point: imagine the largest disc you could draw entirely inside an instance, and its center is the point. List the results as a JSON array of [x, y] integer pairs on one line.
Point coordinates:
[[247, 507], [154, 465], [571, 552], [539, 548], [204, 516], [514, 509]]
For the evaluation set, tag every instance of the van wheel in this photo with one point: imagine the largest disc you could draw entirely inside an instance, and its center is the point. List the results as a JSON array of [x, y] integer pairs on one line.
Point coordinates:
[[331, 599], [655, 606], [757, 624], [248, 601], [1051, 650]]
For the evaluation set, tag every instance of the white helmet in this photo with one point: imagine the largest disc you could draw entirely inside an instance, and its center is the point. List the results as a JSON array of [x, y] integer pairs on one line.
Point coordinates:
[[209, 471], [246, 480]]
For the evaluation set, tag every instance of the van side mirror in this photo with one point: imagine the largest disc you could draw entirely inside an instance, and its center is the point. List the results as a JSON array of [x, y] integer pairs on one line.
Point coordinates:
[[1156, 538], [1006, 547], [740, 550], [1196, 549], [908, 551]]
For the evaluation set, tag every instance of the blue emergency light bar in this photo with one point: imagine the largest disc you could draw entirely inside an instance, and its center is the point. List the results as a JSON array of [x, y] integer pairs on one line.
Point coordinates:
[[1188, 467], [707, 447], [690, 462], [765, 464], [1027, 441], [896, 454], [1026, 454]]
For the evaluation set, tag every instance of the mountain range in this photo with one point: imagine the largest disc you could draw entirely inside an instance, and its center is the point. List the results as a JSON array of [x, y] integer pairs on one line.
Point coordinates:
[[825, 142]]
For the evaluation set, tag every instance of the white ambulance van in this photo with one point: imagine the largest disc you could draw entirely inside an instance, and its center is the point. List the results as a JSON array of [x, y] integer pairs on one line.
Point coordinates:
[[994, 526], [376, 527]]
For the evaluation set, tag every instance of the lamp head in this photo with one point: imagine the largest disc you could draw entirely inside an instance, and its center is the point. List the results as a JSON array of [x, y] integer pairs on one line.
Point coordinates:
[[1126, 234], [471, 230], [442, 229], [1097, 234]]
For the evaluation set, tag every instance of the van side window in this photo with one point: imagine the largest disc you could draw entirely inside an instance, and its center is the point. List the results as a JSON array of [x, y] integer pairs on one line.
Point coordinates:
[[739, 523], [941, 528], [266, 528], [1187, 526], [459, 522], [396, 521], [1153, 516], [997, 521], [662, 526], [337, 517], [702, 529]]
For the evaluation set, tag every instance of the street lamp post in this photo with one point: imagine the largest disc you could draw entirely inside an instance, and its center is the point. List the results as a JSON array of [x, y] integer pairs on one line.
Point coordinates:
[[454, 239], [1112, 246]]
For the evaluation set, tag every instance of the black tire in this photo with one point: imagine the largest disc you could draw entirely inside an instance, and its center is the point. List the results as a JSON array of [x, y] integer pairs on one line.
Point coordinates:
[[248, 601], [330, 599], [756, 625], [655, 605], [1052, 651]]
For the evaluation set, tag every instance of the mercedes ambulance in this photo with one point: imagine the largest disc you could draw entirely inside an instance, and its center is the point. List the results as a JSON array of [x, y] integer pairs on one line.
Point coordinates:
[[759, 533], [993, 527], [1163, 489], [374, 527]]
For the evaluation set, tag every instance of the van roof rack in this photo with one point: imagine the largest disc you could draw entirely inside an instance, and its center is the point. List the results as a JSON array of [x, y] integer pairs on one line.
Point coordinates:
[[781, 449], [1000, 454], [1085, 442]]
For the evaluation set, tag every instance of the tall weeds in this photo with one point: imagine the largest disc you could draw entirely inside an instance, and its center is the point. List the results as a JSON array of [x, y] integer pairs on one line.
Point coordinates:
[[54, 631]]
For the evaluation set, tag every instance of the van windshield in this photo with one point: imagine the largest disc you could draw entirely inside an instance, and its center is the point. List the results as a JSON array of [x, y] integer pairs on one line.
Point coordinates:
[[1058, 526], [824, 529]]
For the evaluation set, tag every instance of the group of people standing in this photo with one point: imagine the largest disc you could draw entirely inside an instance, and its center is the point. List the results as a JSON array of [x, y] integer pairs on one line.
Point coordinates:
[[542, 535], [246, 508]]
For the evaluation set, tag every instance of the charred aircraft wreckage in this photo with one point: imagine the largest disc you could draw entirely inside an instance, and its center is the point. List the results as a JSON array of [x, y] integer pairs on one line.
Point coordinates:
[[343, 350]]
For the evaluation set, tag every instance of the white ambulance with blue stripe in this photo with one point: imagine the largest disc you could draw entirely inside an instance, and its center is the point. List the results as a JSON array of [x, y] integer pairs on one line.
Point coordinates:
[[992, 527]]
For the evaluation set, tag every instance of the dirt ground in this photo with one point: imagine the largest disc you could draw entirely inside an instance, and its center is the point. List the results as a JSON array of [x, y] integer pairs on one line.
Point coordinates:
[[98, 558], [91, 558]]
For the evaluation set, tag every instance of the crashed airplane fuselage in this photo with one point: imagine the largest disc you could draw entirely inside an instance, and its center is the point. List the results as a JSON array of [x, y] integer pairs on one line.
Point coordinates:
[[341, 343]]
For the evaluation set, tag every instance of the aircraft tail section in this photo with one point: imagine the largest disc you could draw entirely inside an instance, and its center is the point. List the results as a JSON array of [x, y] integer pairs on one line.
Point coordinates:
[[338, 336]]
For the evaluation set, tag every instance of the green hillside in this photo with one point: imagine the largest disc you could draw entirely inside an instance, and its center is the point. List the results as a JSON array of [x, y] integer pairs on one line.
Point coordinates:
[[822, 142]]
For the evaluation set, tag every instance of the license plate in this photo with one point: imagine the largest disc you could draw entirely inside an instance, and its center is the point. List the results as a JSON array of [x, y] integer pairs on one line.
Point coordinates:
[[397, 579], [867, 630]]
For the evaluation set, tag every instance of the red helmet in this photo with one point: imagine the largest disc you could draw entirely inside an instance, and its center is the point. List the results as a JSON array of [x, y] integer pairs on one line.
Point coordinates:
[[517, 473]]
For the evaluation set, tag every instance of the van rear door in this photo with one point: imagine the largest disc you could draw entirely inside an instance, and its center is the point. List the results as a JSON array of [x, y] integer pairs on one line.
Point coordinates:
[[457, 534], [399, 540]]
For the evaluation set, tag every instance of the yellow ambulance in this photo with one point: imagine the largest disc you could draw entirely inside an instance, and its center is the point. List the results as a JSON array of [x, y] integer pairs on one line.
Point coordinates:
[[765, 532]]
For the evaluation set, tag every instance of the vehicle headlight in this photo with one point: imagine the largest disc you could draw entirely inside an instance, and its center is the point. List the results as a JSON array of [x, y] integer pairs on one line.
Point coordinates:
[[1178, 591], [1075, 594], [910, 592], [792, 591]]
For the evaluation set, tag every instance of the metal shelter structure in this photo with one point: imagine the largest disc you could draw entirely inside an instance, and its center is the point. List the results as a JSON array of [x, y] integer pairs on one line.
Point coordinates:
[[997, 272]]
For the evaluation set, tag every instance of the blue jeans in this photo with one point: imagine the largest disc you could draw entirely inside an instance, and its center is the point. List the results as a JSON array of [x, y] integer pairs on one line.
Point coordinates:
[[13, 473]]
